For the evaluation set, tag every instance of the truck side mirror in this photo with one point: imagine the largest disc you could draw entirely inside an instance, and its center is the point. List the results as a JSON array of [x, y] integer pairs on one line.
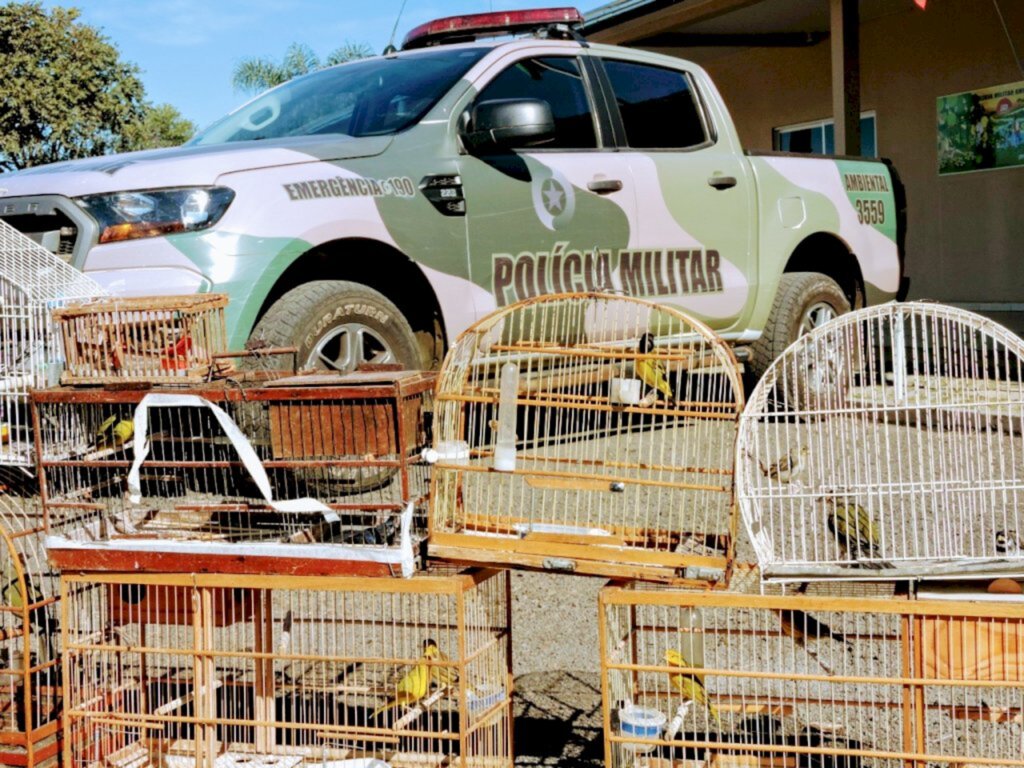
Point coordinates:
[[499, 124]]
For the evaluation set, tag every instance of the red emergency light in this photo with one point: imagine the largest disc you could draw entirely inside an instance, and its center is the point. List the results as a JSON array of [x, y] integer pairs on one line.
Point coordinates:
[[480, 24]]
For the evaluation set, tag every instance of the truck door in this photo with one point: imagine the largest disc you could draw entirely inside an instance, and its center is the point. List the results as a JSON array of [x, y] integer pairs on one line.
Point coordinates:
[[694, 195], [547, 219]]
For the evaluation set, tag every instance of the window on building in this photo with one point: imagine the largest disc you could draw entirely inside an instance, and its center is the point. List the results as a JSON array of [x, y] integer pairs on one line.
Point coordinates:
[[657, 105], [558, 82], [819, 137]]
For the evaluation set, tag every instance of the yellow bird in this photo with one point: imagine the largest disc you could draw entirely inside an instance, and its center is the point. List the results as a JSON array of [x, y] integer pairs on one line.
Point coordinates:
[[689, 684], [416, 682], [651, 372], [114, 432], [855, 531], [789, 467], [440, 675]]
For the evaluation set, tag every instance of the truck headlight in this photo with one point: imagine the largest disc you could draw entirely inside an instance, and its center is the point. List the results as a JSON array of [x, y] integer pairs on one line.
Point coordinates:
[[149, 213]]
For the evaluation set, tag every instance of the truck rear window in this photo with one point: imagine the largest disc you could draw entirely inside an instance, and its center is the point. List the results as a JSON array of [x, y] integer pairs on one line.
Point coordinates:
[[363, 98]]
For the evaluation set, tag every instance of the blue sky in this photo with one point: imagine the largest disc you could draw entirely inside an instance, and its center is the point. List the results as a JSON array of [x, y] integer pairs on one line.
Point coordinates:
[[187, 49]]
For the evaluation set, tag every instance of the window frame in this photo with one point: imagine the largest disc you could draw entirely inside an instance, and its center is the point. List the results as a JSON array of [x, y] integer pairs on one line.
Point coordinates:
[[619, 125], [822, 124]]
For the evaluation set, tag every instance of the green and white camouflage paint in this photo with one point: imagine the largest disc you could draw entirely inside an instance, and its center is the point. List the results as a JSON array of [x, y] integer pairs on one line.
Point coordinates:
[[532, 225]]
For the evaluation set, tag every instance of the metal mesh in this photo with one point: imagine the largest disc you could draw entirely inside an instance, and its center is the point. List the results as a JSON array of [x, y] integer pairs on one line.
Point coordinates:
[[33, 281], [352, 450], [588, 432], [886, 443], [810, 680], [195, 671]]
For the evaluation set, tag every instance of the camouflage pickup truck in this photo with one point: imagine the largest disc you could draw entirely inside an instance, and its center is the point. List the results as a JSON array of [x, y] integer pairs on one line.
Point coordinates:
[[372, 211]]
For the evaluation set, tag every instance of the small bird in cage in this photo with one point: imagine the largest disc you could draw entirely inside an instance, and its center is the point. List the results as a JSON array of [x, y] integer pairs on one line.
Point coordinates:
[[652, 372], [689, 685], [416, 682], [789, 468], [855, 531], [1008, 542], [114, 432], [802, 627]]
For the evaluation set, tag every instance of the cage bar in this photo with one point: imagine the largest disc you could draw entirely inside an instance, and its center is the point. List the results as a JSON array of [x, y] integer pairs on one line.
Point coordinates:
[[810, 679], [610, 451], [180, 670], [302, 475], [152, 339], [888, 443], [32, 282]]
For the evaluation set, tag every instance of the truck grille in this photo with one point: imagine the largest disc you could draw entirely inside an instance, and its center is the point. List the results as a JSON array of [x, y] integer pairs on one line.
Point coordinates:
[[54, 231]]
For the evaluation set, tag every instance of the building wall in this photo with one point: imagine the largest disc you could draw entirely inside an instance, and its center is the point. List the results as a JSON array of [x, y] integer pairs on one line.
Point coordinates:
[[965, 232]]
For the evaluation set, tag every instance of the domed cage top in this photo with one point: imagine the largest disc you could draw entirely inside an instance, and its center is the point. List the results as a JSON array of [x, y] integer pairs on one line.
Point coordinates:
[[888, 443], [590, 433], [33, 282]]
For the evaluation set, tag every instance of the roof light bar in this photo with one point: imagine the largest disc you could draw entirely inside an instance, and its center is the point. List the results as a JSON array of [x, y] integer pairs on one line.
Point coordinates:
[[475, 25]]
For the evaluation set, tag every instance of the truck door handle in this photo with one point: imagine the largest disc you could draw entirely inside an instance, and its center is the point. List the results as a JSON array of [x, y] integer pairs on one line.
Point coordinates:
[[604, 186], [722, 182]]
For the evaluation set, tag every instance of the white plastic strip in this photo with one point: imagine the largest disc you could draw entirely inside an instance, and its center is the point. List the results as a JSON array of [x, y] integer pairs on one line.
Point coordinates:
[[401, 555]]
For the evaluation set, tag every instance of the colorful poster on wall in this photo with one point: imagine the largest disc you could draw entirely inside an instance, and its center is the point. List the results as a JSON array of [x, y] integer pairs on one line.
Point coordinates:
[[983, 129]]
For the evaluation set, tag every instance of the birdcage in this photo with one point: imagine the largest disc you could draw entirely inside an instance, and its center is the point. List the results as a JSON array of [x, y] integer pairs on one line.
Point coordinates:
[[32, 281], [29, 638], [152, 339], [888, 443], [196, 670], [870, 679], [302, 475], [589, 433]]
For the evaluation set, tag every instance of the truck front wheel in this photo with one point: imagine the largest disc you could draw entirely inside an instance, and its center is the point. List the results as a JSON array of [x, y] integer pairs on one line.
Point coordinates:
[[337, 325]]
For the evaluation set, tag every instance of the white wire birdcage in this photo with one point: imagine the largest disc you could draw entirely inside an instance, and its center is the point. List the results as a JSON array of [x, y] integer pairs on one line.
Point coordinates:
[[888, 443], [168, 670], [589, 433], [818, 679], [30, 686], [33, 282], [306, 475]]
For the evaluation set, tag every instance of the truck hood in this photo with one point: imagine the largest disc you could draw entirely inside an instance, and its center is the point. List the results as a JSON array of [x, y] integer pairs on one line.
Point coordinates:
[[182, 166]]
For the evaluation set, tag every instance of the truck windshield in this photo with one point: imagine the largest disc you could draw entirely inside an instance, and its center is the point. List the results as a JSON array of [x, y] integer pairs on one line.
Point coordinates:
[[362, 98]]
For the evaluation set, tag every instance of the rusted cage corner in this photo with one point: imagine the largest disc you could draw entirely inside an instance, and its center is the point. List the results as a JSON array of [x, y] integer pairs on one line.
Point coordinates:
[[152, 339], [888, 443], [809, 680], [313, 475], [590, 433], [32, 282], [179, 670], [30, 696]]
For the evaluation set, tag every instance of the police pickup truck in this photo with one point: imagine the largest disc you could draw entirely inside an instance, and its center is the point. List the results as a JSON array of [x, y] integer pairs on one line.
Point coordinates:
[[372, 211]]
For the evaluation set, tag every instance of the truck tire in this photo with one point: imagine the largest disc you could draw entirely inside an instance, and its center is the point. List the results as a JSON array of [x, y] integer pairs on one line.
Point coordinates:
[[337, 325]]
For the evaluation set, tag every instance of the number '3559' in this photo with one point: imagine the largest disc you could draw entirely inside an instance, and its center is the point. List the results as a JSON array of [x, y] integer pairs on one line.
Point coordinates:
[[870, 211]]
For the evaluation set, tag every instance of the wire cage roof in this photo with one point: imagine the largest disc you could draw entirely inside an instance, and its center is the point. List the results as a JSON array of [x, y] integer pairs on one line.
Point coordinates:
[[590, 433], [888, 443], [33, 282]]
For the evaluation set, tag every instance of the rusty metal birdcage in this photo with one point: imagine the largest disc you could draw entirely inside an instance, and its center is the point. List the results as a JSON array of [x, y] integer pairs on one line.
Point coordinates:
[[305, 475], [29, 637], [32, 282], [180, 670], [588, 433], [810, 681], [152, 339], [888, 443]]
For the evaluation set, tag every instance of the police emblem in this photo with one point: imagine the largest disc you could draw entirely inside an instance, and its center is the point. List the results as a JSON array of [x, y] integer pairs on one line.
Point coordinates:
[[554, 200]]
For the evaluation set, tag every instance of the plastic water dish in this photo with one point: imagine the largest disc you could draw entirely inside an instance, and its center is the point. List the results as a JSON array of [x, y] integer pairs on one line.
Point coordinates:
[[484, 697], [448, 452], [641, 723], [624, 391]]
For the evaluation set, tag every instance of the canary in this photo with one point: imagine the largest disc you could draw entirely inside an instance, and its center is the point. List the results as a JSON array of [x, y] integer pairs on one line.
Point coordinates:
[[789, 467], [40, 619], [114, 432], [440, 675], [416, 682], [855, 531], [690, 685], [651, 372], [1008, 543]]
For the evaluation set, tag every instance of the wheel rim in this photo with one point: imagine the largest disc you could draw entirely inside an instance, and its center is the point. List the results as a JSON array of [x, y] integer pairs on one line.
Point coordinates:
[[816, 316], [346, 346]]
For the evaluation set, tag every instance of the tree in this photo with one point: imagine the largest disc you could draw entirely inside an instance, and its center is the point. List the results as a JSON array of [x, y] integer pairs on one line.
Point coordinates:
[[65, 91], [161, 126], [257, 74]]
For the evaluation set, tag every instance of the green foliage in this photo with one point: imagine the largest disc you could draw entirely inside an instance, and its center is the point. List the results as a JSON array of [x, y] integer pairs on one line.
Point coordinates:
[[257, 74], [65, 91], [162, 126]]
